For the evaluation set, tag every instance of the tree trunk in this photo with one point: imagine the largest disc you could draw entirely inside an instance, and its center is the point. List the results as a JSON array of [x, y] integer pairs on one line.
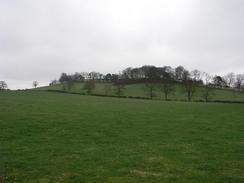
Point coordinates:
[[189, 96], [151, 93], [166, 96]]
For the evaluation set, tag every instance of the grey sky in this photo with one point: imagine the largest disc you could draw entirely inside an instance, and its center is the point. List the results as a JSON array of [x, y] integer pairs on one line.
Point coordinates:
[[39, 39]]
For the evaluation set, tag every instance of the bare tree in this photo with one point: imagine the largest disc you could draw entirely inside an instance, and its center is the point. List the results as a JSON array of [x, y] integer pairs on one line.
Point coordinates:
[[179, 72], [189, 85], [218, 81], [150, 89], [127, 73], [35, 84], [190, 88], [186, 75], [230, 79], [3, 85], [77, 77], [101, 76], [151, 72], [119, 87], [167, 87], [135, 73], [89, 86], [63, 79], [239, 81], [207, 88], [85, 75], [94, 75], [196, 75], [67, 81], [115, 77], [108, 77]]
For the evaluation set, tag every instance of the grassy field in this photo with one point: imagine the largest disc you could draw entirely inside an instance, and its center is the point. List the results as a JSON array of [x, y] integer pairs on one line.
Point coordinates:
[[54, 137], [139, 90]]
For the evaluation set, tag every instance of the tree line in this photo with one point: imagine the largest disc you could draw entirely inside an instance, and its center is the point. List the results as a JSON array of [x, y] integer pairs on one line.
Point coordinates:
[[163, 78], [154, 78]]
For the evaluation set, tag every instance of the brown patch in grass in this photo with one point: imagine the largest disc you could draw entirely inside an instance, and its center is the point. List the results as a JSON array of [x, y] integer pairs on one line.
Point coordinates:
[[146, 173]]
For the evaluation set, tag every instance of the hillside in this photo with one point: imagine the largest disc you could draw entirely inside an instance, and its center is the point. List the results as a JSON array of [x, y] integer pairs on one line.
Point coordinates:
[[139, 90]]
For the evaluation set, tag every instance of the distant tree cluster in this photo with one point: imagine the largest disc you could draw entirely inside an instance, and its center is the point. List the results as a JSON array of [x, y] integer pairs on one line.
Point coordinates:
[[68, 81], [162, 78], [3, 86], [72, 77]]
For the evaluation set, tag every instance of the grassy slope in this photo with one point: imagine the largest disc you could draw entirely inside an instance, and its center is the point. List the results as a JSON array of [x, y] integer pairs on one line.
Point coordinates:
[[140, 90], [52, 137]]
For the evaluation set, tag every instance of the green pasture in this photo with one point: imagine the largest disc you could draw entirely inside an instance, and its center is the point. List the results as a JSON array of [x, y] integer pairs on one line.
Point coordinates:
[[55, 137]]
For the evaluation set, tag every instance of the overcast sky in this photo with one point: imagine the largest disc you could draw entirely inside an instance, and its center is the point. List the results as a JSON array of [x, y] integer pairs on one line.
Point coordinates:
[[39, 39]]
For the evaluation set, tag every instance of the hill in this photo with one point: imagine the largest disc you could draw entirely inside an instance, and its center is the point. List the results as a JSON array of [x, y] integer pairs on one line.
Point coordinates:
[[139, 90]]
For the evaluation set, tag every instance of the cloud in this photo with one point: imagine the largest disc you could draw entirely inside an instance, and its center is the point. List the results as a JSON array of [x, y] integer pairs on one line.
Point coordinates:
[[41, 39]]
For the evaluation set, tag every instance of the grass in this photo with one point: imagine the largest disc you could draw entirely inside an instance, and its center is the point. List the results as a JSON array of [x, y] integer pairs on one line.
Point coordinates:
[[55, 137], [139, 90]]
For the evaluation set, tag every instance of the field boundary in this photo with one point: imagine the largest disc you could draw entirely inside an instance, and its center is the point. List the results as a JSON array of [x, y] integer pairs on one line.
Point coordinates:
[[146, 98]]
